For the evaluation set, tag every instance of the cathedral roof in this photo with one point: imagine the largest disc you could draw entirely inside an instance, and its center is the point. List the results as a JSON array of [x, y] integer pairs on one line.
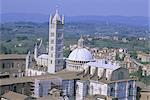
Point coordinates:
[[102, 64], [80, 54], [43, 56]]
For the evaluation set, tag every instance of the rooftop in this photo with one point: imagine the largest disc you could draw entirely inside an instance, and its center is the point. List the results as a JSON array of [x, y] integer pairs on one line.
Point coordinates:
[[62, 75], [102, 64], [12, 56], [80, 54], [14, 96]]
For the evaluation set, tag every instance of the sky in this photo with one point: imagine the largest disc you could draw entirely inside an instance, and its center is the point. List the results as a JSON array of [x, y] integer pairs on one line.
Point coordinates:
[[78, 7]]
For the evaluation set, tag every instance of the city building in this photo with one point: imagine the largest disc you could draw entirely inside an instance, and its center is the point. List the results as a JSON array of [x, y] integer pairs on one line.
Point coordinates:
[[12, 65], [83, 77], [53, 61]]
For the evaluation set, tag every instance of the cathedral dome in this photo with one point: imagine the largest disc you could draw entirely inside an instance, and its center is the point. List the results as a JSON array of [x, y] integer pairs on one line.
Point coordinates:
[[80, 54]]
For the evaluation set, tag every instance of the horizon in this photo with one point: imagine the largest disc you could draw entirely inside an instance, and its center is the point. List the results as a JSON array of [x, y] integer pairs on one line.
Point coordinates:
[[75, 15], [80, 8]]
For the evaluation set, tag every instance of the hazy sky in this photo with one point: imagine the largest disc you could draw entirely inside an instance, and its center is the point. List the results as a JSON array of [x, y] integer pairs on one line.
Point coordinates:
[[78, 7]]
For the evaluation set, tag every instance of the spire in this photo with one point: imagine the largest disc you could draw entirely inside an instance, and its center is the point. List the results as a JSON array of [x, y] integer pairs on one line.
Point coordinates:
[[81, 42], [56, 16]]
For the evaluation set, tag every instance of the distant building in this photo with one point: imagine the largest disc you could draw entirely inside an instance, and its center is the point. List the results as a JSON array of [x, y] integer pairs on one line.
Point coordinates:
[[143, 57], [85, 76], [145, 94], [123, 90], [80, 58], [124, 40], [115, 38], [12, 65]]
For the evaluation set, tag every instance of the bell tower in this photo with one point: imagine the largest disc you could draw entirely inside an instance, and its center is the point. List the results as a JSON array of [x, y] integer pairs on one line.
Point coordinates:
[[56, 28]]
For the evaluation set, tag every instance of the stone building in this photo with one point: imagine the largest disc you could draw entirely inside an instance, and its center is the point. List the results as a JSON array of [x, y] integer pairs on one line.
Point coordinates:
[[12, 65], [52, 61]]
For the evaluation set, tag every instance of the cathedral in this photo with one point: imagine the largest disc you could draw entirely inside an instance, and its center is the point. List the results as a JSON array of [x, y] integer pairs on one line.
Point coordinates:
[[79, 77], [80, 59], [53, 61]]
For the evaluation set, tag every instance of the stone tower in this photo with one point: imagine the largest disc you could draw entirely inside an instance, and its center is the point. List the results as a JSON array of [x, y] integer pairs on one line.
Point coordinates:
[[56, 27]]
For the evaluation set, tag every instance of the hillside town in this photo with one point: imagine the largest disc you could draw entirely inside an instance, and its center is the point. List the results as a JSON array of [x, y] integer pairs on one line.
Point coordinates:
[[87, 73]]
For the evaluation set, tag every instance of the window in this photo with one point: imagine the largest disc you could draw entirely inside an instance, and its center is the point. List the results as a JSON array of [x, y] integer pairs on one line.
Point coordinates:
[[59, 48], [52, 34], [77, 89], [14, 88], [12, 65], [51, 61], [52, 48], [3, 65], [30, 73], [59, 35], [52, 41], [51, 55], [147, 97], [130, 90], [58, 61], [59, 41], [100, 90], [59, 55], [87, 90], [91, 90], [112, 91]]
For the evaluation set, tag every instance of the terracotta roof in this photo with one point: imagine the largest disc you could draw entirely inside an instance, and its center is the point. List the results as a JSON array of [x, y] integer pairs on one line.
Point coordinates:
[[12, 56], [14, 96], [62, 75]]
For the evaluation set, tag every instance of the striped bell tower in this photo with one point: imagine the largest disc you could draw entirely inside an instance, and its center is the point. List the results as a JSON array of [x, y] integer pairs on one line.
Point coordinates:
[[56, 37]]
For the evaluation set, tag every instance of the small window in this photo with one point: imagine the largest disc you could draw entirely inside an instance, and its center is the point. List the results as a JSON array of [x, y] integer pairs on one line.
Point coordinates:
[[51, 55], [112, 91], [52, 48], [77, 89], [59, 48], [59, 35], [59, 55], [58, 61], [59, 41], [52, 34], [52, 41], [3, 65], [12, 65], [91, 89], [51, 61]]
